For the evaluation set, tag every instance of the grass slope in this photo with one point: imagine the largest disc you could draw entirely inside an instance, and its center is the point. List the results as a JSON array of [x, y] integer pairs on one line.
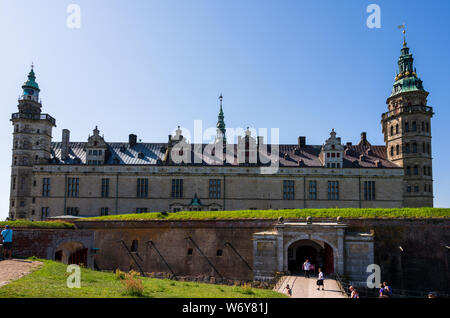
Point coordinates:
[[50, 282], [37, 224], [273, 214]]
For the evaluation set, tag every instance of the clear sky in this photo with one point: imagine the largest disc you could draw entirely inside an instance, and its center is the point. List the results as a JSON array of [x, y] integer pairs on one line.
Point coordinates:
[[147, 66]]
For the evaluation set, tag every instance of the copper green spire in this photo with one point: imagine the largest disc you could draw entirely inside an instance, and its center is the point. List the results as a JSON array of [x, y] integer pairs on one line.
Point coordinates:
[[221, 130], [31, 83], [406, 79]]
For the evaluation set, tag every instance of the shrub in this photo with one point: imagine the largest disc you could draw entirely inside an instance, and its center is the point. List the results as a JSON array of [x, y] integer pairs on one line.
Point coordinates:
[[133, 284], [247, 289], [119, 274]]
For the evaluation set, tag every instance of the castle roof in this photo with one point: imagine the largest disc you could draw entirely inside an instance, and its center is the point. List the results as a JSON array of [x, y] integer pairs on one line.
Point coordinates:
[[119, 153]]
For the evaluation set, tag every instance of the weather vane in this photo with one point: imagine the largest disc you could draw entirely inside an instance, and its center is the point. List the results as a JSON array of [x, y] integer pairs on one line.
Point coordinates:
[[403, 27]]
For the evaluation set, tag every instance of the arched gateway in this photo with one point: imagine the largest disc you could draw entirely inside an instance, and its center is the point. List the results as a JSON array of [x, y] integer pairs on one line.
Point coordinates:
[[325, 244]]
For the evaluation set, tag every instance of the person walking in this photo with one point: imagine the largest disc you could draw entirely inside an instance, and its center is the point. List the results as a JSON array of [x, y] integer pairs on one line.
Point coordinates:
[[320, 280], [387, 289], [7, 234], [354, 292], [306, 267], [288, 290]]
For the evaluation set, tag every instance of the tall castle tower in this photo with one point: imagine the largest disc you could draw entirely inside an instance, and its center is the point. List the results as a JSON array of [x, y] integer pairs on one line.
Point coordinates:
[[32, 137], [407, 132]]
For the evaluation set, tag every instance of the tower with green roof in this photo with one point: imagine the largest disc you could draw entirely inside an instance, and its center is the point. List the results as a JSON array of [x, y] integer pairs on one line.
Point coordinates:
[[32, 136], [407, 132]]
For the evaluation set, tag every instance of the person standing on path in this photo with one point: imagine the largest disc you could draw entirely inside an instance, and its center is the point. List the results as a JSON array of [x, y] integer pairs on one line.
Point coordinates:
[[320, 280], [288, 290], [306, 267], [7, 234]]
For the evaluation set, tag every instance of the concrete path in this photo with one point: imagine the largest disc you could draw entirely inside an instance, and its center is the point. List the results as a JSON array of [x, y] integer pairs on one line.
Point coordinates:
[[306, 287], [14, 269]]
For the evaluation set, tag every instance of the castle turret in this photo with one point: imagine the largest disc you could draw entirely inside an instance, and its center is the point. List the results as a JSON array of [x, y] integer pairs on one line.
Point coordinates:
[[407, 132], [32, 137]]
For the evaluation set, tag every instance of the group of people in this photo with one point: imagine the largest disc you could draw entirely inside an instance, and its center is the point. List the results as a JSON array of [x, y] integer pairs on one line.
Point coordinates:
[[385, 291], [307, 267], [6, 237]]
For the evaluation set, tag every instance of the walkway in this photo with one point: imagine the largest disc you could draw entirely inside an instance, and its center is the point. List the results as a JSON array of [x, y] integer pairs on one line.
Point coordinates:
[[306, 287], [14, 269]]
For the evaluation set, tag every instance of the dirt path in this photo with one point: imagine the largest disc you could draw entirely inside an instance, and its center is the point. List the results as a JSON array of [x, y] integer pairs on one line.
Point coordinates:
[[306, 288], [14, 269]]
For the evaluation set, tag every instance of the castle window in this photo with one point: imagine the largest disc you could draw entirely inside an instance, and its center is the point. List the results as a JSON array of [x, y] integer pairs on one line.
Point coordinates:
[[392, 150], [333, 165], [328, 155], [428, 149], [14, 183], [333, 155], [32, 212], [408, 188], [12, 203], [134, 246], [90, 152], [414, 126], [22, 204], [414, 147], [72, 211], [416, 188], [176, 209], [288, 189], [428, 128], [104, 211], [338, 155], [392, 130], [416, 170], [100, 152], [33, 200], [214, 188], [429, 171], [313, 190], [333, 190], [94, 152], [105, 187], [397, 149], [406, 127], [425, 188], [396, 129], [219, 253], [423, 126], [38, 131], [177, 188], [424, 170], [44, 212], [73, 187], [407, 148], [408, 171], [424, 148], [142, 188], [141, 210], [46, 187], [189, 252]]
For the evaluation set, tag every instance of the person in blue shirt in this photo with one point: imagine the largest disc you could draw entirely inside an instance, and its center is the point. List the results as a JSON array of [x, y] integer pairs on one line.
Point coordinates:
[[7, 234]]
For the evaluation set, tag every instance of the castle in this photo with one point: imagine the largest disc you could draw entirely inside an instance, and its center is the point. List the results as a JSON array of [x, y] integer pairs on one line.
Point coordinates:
[[98, 177]]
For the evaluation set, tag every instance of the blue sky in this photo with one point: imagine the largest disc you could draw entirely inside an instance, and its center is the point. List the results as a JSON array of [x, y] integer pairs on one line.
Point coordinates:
[[145, 67]]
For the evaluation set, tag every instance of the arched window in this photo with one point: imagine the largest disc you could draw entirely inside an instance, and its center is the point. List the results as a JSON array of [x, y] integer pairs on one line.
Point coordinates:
[[396, 129], [392, 150], [397, 149], [406, 148], [392, 130]]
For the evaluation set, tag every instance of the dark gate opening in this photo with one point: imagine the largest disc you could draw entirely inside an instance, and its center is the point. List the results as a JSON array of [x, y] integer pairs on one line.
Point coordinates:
[[79, 257], [318, 256]]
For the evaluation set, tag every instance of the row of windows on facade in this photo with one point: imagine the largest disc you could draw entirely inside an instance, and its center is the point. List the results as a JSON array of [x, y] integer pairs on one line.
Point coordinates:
[[394, 130], [415, 170], [427, 188], [214, 189], [406, 148]]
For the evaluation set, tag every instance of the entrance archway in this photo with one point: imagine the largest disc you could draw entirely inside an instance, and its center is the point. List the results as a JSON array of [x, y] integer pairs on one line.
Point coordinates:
[[71, 253], [319, 254]]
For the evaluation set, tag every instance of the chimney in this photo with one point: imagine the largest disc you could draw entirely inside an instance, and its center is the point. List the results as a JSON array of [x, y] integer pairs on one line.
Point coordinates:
[[132, 140], [364, 141], [301, 141], [65, 144]]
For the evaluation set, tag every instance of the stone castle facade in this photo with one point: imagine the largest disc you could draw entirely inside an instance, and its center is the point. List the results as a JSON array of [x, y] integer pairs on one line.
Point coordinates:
[[98, 177]]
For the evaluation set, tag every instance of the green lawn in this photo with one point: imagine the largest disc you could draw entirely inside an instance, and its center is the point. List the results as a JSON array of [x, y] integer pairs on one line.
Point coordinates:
[[273, 214], [37, 224], [50, 281]]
